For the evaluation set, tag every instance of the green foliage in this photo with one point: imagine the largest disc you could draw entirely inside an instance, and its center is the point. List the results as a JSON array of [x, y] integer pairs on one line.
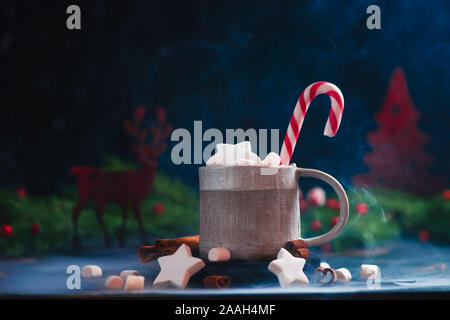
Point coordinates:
[[390, 213], [361, 231], [415, 213], [54, 216]]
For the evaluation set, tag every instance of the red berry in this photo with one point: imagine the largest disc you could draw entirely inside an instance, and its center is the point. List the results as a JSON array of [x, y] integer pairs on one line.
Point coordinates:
[[303, 206], [35, 228], [21, 192], [424, 235], [316, 225], [334, 221], [446, 194], [326, 247], [316, 196], [158, 208], [361, 208], [6, 230], [333, 204]]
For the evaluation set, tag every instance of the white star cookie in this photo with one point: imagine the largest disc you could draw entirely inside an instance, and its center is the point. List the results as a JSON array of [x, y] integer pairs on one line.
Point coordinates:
[[288, 269], [177, 269]]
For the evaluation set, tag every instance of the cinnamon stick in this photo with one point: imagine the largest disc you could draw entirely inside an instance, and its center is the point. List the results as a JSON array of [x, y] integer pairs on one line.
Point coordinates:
[[217, 282], [294, 244], [301, 253], [320, 275], [168, 251], [147, 253], [190, 241], [164, 247], [297, 248]]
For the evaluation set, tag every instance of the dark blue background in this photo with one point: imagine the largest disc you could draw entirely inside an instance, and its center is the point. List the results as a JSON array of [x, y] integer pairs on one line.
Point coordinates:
[[65, 94]]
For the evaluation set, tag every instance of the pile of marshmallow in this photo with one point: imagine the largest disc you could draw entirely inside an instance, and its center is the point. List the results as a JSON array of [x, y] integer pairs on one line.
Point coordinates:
[[128, 279], [178, 268], [289, 271], [241, 155]]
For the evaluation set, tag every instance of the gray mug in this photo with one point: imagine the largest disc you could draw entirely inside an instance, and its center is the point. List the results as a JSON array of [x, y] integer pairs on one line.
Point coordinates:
[[253, 211]]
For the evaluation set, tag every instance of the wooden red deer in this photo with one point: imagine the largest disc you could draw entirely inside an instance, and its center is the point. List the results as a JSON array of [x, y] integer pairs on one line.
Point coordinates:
[[127, 188]]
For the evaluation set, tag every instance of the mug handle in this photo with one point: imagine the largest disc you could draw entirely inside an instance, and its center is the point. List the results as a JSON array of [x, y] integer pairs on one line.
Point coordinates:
[[343, 216]]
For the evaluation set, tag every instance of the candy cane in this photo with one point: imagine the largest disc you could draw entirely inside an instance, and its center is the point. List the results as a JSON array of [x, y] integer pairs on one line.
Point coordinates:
[[334, 118]]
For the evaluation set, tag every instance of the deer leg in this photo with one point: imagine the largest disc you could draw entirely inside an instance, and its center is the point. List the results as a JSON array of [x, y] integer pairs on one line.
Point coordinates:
[[138, 216], [122, 228], [99, 213], [75, 215]]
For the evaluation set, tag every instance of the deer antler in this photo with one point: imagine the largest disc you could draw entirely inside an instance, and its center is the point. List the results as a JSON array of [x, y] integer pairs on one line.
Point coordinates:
[[133, 128], [162, 130]]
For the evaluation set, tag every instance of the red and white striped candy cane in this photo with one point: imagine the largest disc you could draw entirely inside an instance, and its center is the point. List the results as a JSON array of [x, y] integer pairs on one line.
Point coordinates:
[[334, 118]]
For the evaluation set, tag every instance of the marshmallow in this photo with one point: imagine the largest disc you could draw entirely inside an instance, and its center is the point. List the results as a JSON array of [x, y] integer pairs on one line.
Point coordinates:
[[253, 157], [241, 155], [324, 265], [230, 153], [234, 154], [288, 269], [219, 254], [134, 282], [177, 269], [215, 160], [114, 282], [343, 275], [271, 160], [245, 162], [368, 270], [91, 271], [125, 273]]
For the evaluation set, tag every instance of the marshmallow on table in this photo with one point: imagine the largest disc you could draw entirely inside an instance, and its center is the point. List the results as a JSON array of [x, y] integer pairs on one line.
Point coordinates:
[[288, 269], [343, 275], [324, 265], [134, 283], [125, 273], [368, 270], [219, 254], [91, 271], [177, 269], [114, 282]]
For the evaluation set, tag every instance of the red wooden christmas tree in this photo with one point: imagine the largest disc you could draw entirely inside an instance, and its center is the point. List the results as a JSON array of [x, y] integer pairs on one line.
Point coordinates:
[[398, 159]]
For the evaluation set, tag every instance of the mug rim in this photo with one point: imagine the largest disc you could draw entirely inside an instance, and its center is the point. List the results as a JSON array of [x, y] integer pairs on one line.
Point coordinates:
[[246, 178]]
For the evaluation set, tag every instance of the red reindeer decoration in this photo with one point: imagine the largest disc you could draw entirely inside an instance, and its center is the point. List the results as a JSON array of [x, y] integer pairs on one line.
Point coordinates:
[[127, 188]]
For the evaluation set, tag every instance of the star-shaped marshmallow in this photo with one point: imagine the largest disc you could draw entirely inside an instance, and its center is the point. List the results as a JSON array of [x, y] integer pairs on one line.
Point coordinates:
[[177, 269], [288, 269]]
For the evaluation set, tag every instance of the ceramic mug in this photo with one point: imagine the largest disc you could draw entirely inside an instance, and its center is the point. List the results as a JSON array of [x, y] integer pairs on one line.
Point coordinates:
[[253, 211]]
